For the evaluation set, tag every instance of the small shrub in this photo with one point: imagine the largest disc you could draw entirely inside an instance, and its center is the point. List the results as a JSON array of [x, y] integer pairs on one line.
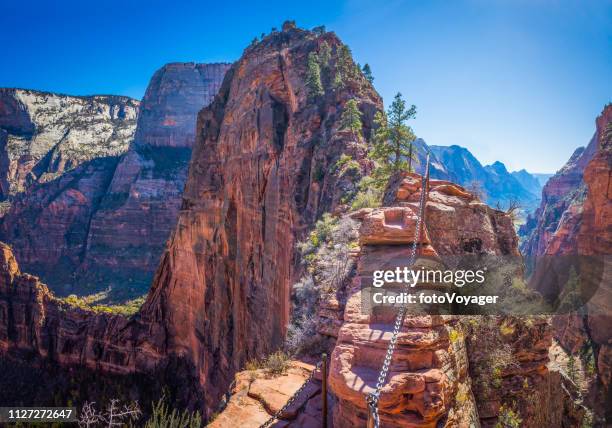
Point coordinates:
[[572, 371], [322, 230], [587, 420], [346, 164], [454, 335], [369, 198], [165, 417], [508, 418], [277, 363], [506, 328], [253, 364], [497, 376], [462, 395], [587, 356]]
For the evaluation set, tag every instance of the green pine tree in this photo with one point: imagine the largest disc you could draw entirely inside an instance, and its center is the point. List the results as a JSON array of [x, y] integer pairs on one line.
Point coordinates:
[[351, 118], [345, 67], [393, 140], [324, 54], [367, 72], [313, 77]]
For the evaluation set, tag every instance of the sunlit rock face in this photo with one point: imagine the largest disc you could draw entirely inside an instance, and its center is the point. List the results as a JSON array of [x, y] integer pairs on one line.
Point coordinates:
[[574, 220], [48, 134], [261, 174], [429, 368], [439, 375], [130, 228], [103, 223]]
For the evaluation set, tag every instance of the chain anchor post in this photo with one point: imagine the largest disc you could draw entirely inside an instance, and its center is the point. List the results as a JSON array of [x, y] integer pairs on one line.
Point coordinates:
[[324, 388]]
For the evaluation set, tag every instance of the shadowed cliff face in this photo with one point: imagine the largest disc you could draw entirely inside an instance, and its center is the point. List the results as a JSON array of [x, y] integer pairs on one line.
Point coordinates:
[[595, 238], [105, 223], [575, 219], [259, 176]]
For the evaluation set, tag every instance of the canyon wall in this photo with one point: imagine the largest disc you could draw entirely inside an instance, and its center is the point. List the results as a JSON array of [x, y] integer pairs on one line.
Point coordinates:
[[573, 225], [261, 173], [48, 134], [556, 221], [595, 240], [104, 224]]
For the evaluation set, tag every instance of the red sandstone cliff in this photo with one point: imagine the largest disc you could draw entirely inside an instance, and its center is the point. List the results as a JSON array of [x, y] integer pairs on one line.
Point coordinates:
[[261, 173], [105, 224], [595, 239], [583, 230], [554, 225]]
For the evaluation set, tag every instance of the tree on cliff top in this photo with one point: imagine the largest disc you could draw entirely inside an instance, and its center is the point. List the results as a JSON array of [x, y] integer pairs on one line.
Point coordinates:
[[345, 67], [367, 72], [313, 76], [393, 140], [351, 118]]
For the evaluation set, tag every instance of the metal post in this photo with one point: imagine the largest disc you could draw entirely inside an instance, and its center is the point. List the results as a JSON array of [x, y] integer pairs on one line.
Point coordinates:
[[424, 208], [371, 423], [324, 389]]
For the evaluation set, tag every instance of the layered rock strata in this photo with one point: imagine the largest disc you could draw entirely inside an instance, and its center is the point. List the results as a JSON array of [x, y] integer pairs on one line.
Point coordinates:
[[47, 134], [261, 173], [104, 224], [429, 369], [430, 382], [574, 225]]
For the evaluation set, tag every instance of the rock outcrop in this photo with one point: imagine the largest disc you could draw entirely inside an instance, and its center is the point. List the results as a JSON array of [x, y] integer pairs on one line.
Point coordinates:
[[48, 134], [428, 383], [574, 222], [262, 172], [104, 224], [34, 322], [258, 394], [556, 222]]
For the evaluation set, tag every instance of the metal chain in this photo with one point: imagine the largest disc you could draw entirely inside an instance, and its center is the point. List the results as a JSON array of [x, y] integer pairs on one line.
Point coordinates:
[[372, 398], [295, 395]]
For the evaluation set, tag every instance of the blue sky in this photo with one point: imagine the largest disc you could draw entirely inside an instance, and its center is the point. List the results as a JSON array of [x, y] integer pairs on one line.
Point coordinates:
[[518, 81]]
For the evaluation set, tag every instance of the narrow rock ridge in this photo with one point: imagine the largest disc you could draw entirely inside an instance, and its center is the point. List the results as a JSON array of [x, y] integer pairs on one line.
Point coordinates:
[[430, 365], [261, 174]]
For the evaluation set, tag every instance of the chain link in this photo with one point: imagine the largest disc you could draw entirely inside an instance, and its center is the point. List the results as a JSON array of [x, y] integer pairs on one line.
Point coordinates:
[[295, 395], [372, 398]]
